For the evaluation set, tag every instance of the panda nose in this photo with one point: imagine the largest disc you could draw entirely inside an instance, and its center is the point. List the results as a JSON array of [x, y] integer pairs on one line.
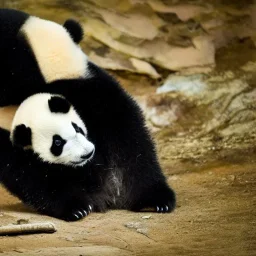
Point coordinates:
[[89, 155]]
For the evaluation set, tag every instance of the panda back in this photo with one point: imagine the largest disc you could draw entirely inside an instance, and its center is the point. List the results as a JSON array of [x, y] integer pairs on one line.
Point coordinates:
[[10, 23]]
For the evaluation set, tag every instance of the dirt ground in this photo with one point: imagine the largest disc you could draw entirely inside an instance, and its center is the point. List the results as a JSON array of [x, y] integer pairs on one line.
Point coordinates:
[[216, 215]]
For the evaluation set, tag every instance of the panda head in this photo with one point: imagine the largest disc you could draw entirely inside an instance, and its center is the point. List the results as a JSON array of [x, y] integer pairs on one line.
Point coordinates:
[[49, 125]]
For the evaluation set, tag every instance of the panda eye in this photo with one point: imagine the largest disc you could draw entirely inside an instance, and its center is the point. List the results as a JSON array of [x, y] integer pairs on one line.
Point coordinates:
[[57, 143], [81, 131], [77, 128]]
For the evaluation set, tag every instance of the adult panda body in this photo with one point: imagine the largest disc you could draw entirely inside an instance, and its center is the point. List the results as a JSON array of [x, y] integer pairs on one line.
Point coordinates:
[[125, 173], [35, 51]]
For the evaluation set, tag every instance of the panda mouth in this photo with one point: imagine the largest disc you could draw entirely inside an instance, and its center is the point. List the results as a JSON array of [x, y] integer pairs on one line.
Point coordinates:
[[79, 162], [83, 161]]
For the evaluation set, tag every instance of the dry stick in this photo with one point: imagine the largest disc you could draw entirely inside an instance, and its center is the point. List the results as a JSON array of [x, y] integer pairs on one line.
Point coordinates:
[[45, 227]]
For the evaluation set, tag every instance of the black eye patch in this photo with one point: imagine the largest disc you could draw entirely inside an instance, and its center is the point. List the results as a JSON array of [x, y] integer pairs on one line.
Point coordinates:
[[57, 145], [77, 128]]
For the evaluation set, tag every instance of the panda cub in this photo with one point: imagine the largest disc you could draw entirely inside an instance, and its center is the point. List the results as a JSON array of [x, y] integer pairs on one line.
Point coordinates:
[[49, 162], [48, 141]]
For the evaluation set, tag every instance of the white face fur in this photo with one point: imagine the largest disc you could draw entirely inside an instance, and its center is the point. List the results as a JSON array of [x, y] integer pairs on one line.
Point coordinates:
[[58, 135]]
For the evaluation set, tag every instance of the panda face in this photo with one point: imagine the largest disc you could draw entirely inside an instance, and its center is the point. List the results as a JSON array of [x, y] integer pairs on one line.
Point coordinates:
[[70, 147], [50, 126]]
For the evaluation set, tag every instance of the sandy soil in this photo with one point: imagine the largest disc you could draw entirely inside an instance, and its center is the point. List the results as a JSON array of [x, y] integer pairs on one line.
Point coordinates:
[[216, 215]]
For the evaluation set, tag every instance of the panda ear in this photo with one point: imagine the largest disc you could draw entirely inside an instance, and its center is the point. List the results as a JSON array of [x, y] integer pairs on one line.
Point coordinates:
[[58, 105], [22, 136], [74, 29]]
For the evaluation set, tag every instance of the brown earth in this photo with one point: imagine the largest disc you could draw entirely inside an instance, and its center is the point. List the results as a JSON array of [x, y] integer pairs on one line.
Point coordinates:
[[216, 215]]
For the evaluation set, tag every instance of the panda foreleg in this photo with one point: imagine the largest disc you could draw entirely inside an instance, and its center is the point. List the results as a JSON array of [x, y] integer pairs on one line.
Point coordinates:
[[64, 208]]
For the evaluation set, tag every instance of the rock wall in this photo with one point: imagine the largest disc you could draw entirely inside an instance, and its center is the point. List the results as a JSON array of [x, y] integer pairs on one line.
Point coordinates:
[[142, 35]]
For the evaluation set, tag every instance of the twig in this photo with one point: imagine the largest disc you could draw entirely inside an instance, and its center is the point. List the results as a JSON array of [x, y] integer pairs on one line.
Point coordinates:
[[45, 227]]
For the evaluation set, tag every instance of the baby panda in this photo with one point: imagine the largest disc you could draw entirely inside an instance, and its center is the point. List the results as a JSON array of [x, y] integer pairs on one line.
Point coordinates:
[[52, 163], [47, 145]]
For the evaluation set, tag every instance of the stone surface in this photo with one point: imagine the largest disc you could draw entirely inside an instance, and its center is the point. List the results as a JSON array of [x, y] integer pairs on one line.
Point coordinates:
[[203, 103]]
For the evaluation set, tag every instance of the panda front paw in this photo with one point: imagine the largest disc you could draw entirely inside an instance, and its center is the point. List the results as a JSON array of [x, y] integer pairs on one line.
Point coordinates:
[[78, 214]]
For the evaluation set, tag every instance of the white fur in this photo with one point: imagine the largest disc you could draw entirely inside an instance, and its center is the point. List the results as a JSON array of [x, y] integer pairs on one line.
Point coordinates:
[[56, 53], [34, 112]]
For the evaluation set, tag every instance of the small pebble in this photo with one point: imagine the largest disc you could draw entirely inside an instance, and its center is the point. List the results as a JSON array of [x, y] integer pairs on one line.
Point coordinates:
[[146, 217]]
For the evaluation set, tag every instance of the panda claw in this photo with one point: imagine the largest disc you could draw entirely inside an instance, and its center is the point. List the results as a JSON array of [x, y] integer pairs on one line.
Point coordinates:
[[80, 213], [163, 209], [76, 216]]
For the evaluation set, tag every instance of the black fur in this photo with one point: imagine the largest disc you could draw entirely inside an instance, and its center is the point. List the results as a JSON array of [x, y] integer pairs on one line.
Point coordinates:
[[16, 57], [124, 173], [58, 105], [22, 136], [75, 30]]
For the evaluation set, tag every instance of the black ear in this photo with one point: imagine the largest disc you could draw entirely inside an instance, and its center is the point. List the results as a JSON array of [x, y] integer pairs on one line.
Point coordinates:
[[58, 105], [74, 29], [22, 136]]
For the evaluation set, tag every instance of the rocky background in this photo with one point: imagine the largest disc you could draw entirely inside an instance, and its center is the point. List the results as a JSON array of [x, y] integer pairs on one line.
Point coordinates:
[[189, 63]]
